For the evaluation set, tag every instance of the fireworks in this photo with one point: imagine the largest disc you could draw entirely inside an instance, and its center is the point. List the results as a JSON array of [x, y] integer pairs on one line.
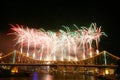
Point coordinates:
[[61, 45]]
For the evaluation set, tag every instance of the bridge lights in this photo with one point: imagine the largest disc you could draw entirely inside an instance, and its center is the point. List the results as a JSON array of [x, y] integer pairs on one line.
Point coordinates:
[[106, 71], [97, 51], [1, 55], [14, 70]]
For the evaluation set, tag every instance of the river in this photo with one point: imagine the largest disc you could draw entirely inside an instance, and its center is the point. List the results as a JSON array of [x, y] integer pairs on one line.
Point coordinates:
[[48, 76]]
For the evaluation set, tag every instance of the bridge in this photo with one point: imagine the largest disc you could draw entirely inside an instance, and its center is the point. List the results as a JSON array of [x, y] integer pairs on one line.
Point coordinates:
[[104, 60]]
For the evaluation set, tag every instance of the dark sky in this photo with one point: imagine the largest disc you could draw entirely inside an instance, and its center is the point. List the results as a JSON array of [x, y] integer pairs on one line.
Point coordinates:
[[51, 15]]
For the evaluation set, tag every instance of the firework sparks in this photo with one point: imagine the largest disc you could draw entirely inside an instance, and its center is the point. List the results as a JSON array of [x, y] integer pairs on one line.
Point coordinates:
[[60, 45]]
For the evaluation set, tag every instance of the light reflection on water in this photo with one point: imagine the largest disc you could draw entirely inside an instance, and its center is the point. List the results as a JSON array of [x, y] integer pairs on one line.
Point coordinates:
[[36, 76], [62, 76]]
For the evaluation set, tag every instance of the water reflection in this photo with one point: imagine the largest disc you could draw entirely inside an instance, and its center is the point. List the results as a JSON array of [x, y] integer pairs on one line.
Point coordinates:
[[60, 76], [73, 76], [37, 76], [48, 77]]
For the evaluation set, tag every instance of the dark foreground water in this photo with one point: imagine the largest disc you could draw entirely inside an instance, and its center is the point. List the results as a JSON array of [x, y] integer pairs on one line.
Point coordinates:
[[46, 76]]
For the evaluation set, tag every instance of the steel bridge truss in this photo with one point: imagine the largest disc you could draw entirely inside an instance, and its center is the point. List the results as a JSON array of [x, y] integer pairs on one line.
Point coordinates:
[[97, 63]]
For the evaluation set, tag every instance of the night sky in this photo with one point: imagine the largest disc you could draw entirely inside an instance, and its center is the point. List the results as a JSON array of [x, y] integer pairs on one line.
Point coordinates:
[[52, 15]]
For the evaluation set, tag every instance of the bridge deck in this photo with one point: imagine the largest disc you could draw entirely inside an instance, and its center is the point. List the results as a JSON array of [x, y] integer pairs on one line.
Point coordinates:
[[78, 65]]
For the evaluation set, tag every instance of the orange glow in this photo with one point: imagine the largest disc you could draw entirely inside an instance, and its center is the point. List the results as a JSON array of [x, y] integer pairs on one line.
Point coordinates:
[[14, 70]]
